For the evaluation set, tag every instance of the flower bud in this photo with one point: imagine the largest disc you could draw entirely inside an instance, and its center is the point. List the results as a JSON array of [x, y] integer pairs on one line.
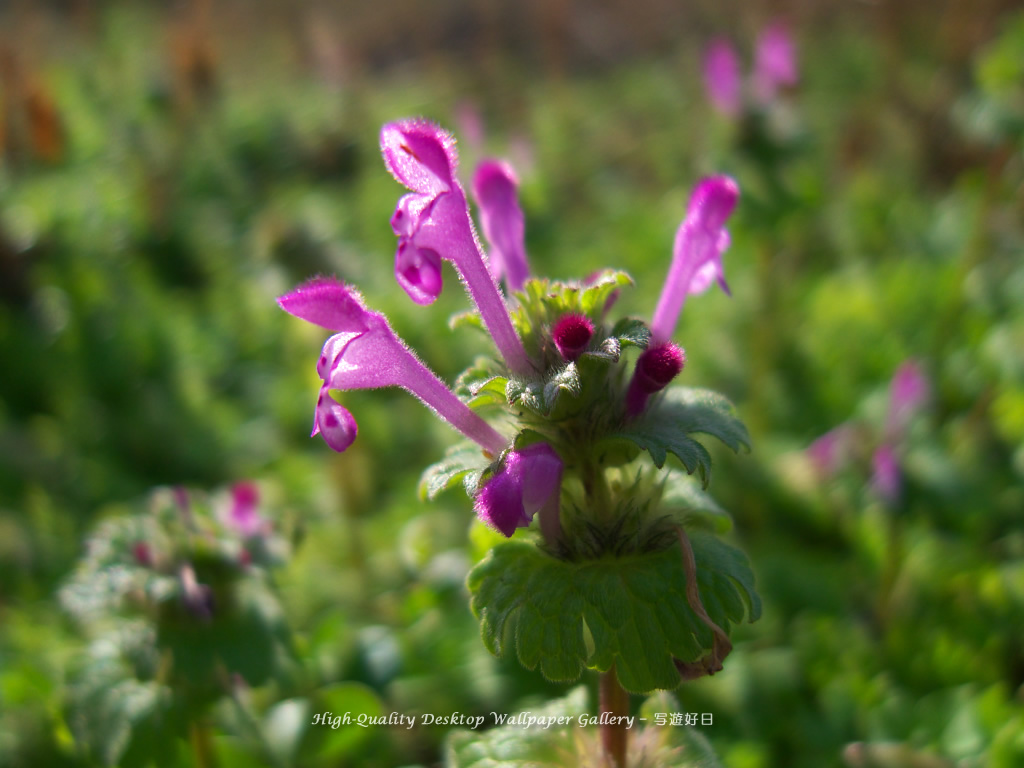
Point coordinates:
[[655, 368], [572, 334]]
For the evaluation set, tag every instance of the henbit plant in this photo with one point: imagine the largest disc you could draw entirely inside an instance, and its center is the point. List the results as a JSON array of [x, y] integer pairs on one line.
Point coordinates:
[[627, 575]]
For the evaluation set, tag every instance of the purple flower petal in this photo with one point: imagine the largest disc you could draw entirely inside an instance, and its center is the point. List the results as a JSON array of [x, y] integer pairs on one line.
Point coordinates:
[[419, 155], [494, 187], [410, 213], [327, 302], [499, 504], [418, 271], [529, 481], [722, 77], [334, 422], [697, 254]]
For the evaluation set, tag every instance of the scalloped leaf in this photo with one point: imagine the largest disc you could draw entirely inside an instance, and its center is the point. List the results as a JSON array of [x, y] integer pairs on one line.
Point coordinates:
[[681, 411], [462, 462], [634, 607]]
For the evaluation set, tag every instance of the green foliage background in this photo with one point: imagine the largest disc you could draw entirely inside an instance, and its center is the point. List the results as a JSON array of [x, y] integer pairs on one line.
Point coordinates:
[[209, 160]]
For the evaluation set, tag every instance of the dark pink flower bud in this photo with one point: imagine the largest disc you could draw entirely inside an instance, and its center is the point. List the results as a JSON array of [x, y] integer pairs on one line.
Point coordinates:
[[572, 334], [655, 368], [244, 516], [142, 554]]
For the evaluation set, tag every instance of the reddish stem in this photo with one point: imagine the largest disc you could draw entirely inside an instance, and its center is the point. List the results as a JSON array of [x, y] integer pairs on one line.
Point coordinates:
[[614, 703]]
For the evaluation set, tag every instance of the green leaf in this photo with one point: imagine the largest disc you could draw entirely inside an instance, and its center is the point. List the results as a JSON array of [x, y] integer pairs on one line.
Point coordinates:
[[542, 301], [566, 379], [490, 392], [634, 607], [339, 740], [703, 410], [632, 332], [691, 505], [665, 428], [467, 320], [461, 461]]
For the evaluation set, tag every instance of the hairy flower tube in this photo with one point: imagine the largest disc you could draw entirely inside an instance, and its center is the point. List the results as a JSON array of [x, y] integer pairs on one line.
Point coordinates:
[[432, 223], [366, 354], [696, 262]]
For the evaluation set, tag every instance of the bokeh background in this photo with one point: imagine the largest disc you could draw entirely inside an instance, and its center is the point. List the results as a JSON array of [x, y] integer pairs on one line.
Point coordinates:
[[169, 168]]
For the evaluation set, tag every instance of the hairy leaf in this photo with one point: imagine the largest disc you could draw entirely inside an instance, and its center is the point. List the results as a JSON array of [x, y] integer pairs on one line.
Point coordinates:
[[634, 607]]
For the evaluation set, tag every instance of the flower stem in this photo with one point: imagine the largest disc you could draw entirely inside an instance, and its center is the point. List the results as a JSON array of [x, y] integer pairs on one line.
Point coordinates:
[[202, 744], [614, 704]]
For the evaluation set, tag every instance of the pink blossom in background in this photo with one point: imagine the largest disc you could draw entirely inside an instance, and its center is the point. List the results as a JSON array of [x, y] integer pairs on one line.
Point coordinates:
[[243, 515], [722, 77], [908, 391], [886, 479], [774, 63], [831, 451]]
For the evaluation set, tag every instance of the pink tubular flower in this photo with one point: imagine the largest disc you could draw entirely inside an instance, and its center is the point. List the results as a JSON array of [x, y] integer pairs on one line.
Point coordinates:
[[908, 391], [697, 254], [722, 77], [774, 62], [494, 187], [830, 452], [432, 223], [366, 354], [886, 477], [529, 481]]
